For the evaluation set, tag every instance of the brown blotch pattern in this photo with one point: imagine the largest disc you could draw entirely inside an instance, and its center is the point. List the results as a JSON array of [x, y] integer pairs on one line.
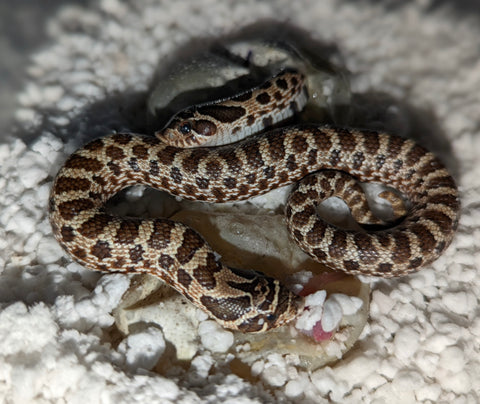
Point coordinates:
[[94, 145], [351, 266], [127, 232], [267, 121], [154, 169], [114, 168], [230, 182], [101, 250], [184, 278], [191, 242], [366, 251], [414, 154], [122, 138], [281, 83], [385, 267], [263, 98], [316, 234], [226, 309], [94, 226], [299, 144], [114, 152], [167, 154], [222, 113], [70, 209], [140, 152], [371, 142], [250, 120], [136, 253], [133, 163], [213, 169], [347, 140], [394, 146], [176, 175], [79, 162], [254, 157], [358, 159], [243, 97], [67, 184], [204, 274], [401, 248], [68, 233], [166, 262], [335, 157], [337, 247], [190, 164]]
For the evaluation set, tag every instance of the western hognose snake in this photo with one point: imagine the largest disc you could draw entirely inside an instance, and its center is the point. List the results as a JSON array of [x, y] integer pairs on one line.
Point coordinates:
[[241, 299]]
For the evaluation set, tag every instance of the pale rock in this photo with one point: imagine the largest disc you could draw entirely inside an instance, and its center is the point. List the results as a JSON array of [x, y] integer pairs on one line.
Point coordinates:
[[214, 337], [404, 313], [274, 375], [32, 169], [49, 251], [389, 368], [143, 348], [323, 382], [452, 359], [348, 370], [202, 365], [407, 379], [459, 302], [458, 382], [374, 380], [26, 330], [349, 304], [381, 302], [308, 318], [257, 367], [428, 363], [406, 342], [275, 370], [428, 392], [332, 315], [21, 222], [437, 343]]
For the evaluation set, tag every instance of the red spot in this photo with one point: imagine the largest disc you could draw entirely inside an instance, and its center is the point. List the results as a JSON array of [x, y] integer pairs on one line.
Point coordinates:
[[319, 334]]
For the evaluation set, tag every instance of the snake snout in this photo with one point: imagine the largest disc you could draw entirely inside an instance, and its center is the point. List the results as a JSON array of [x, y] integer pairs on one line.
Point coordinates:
[[288, 307]]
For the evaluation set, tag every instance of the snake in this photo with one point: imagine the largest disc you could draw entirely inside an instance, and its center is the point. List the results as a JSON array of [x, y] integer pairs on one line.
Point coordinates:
[[321, 161]]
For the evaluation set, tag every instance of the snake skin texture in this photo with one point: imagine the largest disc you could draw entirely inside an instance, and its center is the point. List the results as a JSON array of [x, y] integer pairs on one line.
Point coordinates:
[[241, 299]]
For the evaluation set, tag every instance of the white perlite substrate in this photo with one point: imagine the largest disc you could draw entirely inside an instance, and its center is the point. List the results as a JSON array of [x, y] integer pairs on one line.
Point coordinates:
[[422, 340]]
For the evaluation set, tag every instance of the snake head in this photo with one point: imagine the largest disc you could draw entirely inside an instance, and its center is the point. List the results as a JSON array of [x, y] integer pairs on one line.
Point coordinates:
[[187, 130], [252, 302], [274, 305]]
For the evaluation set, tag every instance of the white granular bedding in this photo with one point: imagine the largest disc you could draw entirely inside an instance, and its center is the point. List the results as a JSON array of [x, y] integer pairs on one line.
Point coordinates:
[[421, 343]]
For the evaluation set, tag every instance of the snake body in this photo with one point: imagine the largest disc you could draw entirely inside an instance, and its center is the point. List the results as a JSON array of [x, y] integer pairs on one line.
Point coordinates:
[[241, 299]]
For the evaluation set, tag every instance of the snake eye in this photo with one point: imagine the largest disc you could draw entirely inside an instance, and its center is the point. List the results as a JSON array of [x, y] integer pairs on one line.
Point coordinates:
[[271, 317], [185, 128]]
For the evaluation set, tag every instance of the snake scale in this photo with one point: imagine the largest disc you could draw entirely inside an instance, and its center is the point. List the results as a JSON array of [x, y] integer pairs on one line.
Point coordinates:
[[240, 299]]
